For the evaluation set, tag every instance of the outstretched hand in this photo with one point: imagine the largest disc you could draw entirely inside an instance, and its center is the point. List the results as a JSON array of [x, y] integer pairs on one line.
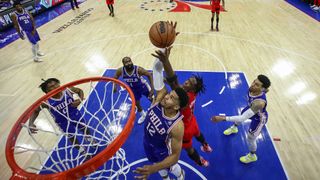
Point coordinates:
[[218, 118], [162, 55], [174, 24], [144, 172]]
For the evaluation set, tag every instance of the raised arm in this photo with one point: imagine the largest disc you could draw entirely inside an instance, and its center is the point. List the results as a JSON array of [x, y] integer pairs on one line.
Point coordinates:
[[80, 94], [163, 56], [158, 83], [143, 72], [256, 106]]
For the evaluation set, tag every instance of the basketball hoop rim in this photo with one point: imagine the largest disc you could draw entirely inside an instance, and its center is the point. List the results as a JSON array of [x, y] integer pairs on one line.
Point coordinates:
[[88, 166]]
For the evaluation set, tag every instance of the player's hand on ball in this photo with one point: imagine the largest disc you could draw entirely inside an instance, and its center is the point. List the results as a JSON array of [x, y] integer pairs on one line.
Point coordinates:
[[174, 24], [218, 118], [162, 55], [144, 171]]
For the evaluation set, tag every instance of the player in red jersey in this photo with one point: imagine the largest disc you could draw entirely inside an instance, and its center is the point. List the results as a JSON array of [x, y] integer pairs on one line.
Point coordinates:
[[215, 9], [193, 86], [110, 7]]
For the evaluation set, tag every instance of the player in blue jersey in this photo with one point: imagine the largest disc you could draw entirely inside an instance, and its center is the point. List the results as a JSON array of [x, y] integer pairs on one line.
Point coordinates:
[[193, 86], [255, 111], [163, 129], [24, 24], [63, 108], [133, 76]]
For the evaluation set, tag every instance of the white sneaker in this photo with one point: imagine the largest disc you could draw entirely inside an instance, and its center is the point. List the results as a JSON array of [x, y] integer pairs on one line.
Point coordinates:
[[313, 6], [142, 117], [36, 59], [316, 8], [39, 53]]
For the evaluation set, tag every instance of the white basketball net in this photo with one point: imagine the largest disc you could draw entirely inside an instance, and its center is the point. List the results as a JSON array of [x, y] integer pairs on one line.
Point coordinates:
[[51, 151]]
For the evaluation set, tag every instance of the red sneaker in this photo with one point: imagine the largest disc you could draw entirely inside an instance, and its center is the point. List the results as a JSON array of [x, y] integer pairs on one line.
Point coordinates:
[[204, 163], [206, 148]]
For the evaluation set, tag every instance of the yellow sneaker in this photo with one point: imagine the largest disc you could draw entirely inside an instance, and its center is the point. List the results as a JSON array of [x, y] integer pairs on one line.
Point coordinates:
[[248, 158], [231, 130]]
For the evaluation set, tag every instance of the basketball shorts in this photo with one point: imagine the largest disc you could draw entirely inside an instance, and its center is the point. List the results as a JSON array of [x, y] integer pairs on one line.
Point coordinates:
[[138, 92], [108, 2], [191, 130], [215, 9], [33, 39]]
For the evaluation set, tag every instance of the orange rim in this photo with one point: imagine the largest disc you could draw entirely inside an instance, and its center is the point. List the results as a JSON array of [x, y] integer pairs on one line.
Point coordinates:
[[88, 166]]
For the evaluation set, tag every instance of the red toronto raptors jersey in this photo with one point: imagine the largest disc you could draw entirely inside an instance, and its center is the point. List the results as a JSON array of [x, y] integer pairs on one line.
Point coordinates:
[[187, 112], [215, 2]]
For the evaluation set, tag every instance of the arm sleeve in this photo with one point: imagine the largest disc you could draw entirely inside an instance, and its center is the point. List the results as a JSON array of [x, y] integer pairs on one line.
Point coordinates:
[[157, 75], [246, 115]]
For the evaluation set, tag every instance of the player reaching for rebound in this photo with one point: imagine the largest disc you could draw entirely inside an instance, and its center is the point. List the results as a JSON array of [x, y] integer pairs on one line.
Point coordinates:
[[163, 129], [63, 108], [215, 9], [132, 75], [256, 111], [193, 86]]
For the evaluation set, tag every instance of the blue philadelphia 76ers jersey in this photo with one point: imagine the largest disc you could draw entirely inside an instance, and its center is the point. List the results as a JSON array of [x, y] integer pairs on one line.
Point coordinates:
[[157, 128], [24, 21], [135, 81], [62, 110]]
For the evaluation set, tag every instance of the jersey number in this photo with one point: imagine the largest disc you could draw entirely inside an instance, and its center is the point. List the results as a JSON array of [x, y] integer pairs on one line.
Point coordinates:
[[151, 129]]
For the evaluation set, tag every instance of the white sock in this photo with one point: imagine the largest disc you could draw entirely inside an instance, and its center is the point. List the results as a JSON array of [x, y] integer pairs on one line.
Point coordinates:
[[177, 171], [164, 174], [34, 50], [251, 141]]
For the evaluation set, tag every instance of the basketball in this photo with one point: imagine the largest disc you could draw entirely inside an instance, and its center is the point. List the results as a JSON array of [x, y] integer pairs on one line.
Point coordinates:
[[162, 34]]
